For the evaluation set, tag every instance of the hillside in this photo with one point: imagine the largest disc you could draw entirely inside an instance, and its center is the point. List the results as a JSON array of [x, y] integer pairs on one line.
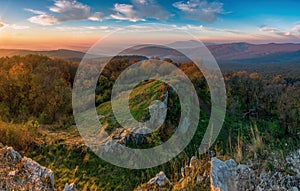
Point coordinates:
[[261, 123]]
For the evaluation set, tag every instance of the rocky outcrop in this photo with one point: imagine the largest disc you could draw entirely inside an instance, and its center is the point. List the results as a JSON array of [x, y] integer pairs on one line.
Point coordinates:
[[17, 173], [273, 174], [216, 175], [138, 135]]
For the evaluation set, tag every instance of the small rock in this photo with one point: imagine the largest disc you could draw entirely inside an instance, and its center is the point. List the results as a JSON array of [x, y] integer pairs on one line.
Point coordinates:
[[199, 179], [14, 153], [12, 173], [160, 179], [71, 187]]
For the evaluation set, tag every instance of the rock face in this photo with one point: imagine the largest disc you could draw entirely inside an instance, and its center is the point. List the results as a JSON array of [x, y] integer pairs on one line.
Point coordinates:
[[223, 175], [17, 173]]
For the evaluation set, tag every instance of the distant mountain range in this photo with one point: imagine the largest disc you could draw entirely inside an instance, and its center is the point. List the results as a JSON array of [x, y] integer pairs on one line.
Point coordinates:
[[159, 51], [244, 53], [231, 52], [70, 55], [237, 51]]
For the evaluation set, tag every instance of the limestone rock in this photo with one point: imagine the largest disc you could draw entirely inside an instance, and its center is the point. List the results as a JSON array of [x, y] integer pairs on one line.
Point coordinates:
[[223, 175], [159, 183], [160, 179], [70, 187], [228, 176], [17, 173], [13, 153]]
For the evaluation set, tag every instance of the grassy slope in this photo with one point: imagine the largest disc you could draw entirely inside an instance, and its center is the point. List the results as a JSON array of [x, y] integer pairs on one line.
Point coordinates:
[[72, 162]]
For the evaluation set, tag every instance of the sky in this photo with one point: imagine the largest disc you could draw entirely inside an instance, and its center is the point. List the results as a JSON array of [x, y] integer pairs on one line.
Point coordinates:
[[77, 24]]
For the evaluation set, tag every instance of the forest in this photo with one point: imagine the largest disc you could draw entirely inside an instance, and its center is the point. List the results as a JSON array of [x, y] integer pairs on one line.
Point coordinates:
[[263, 116]]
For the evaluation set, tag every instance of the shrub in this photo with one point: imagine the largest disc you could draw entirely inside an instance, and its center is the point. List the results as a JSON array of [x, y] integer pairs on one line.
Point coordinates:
[[20, 136]]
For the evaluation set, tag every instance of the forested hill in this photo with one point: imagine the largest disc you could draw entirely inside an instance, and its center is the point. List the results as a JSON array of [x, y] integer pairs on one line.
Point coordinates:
[[70, 55]]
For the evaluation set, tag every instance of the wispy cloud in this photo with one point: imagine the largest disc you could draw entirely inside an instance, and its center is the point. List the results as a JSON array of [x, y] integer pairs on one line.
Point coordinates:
[[43, 19], [151, 9], [73, 10], [19, 27], [264, 28], [64, 10], [207, 30], [86, 28], [292, 32], [37, 12], [125, 12], [140, 10], [201, 9], [296, 28], [13, 26]]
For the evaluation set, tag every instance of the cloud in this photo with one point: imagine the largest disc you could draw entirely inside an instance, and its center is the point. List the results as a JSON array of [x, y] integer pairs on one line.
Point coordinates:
[[292, 32], [68, 29], [96, 17], [3, 26], [151, 9], [19, 27], [44, 20], [13, 26], [202, 28], [73, 10], [35, 11], [64, 10], [267, 29], [296, 28], [125, 12], [139, 10], [200, 10]]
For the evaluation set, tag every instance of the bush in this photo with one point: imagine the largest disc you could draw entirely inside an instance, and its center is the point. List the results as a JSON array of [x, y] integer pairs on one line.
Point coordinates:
[[20, 136]]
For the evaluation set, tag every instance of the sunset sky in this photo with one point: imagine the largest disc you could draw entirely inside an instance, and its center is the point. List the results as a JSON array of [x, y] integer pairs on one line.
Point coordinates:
[[77, 24]]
